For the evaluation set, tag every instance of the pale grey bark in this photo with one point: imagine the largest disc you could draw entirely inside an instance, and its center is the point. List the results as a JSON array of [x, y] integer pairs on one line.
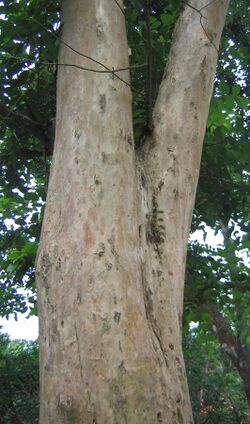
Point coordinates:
[[111, 260]]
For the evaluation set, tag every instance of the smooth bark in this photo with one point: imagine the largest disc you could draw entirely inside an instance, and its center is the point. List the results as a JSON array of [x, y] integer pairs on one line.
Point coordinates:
[[111, 261]]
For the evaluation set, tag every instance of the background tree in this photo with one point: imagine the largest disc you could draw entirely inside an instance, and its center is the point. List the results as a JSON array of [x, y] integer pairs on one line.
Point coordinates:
[[215, 387], [19, 371], [218, 279]]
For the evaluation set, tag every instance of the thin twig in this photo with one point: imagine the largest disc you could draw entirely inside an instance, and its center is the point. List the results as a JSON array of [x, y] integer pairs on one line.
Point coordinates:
[[209, 39], [86, 56], [191, 7], [121, 9], [20, 59], [206, 5], [203, 17]]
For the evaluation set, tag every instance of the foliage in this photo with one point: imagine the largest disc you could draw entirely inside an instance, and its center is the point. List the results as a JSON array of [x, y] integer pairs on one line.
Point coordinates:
[[220, 276], [18, 381], [27, 106], [162, 20], [215, 388]]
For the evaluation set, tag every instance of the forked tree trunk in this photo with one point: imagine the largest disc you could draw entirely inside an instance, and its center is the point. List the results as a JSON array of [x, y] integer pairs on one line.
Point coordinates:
[[110, 267]]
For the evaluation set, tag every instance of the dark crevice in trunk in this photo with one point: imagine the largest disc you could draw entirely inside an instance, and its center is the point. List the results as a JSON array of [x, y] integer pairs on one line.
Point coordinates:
[[153, 327]]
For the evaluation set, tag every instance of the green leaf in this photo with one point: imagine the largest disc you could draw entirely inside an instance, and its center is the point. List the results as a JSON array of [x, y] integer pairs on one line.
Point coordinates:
[[236, 89], [167, 19], [224, 88]]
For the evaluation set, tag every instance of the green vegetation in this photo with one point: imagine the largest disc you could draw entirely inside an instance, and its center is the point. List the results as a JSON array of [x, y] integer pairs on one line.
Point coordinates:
[[216, 389], [19, 399]]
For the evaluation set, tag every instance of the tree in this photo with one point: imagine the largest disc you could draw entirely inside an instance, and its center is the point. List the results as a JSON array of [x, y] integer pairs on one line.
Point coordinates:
[[25, 99], [111, 260], [217, 296], [19, 398], [215, 388], [217, 280]]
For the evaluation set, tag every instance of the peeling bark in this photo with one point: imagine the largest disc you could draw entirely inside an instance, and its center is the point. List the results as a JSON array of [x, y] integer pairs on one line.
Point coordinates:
[[111, 260]]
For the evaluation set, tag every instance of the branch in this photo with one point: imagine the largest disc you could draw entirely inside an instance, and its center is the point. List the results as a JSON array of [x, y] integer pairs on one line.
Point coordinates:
[[203, 17], [113, 72], [206, 5], [17, 119], [24, 120], [121, 9], [20, 59], [209, 39], [223, 331], [31, 154]]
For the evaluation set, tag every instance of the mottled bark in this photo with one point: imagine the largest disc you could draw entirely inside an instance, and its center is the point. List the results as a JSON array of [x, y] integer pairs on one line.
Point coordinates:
[[110, 267]]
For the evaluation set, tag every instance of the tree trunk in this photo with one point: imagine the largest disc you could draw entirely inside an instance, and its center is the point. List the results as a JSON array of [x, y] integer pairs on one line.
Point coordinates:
[[111, 261]]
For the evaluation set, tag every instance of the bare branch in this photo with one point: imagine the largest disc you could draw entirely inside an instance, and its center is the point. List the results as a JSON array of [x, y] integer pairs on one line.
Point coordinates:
[[203, 17], [209, 38], [225, 335], [20, 59], [17, 119], [191, 7], [121, 9], [113, 72], [206, 5]]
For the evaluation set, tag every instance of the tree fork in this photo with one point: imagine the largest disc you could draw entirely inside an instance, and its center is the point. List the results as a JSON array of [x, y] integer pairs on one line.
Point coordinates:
[[111, 260]]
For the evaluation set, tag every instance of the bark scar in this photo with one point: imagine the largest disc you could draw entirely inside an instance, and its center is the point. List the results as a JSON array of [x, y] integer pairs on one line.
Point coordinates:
[[79, 354], [149, 309]]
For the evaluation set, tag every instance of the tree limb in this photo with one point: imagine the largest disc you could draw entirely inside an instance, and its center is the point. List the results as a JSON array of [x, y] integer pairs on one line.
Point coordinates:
[[203, 17], [121, 9], [17, 119], [73, 65], [229, 342], [87, 57]]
